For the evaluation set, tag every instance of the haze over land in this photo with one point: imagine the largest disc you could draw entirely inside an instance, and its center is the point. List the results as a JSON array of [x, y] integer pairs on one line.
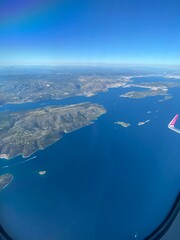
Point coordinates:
[[25, 132], [22, 88], [23, 84]]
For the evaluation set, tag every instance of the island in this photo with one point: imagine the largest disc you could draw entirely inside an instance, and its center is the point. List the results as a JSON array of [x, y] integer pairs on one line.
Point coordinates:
[[42, 173], [123, 124], [143, 94], [25, 132], [142, 123], [167, 97], [5, 180], [150, 89]]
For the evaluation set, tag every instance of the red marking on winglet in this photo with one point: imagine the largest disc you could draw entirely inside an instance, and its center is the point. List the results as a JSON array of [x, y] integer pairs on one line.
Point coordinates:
[[173, 122]]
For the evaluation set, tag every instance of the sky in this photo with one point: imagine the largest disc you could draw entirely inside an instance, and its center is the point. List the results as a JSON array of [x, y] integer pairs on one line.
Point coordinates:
[[36, 32]]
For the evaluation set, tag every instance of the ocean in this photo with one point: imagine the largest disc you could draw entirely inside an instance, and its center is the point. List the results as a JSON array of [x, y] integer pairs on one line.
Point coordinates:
[[102, 181]]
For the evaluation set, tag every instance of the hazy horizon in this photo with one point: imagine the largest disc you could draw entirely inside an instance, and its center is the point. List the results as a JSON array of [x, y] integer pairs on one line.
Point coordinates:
[[81, 64]]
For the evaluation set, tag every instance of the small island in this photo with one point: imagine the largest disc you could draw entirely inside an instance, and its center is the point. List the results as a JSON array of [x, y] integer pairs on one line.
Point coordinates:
[[167, 97], [142, 123], [123, 124], [25, 132], [42, 173], [5, 180]]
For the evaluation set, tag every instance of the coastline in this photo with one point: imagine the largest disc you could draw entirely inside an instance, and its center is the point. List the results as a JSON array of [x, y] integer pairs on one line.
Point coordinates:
[[6, 156]]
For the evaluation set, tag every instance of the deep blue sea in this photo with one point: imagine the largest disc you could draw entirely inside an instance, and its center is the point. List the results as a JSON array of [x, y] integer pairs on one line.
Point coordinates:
[[103, 181]]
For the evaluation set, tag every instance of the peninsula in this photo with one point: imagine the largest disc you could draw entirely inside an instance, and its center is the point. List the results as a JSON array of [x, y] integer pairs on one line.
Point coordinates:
[[25, 132]]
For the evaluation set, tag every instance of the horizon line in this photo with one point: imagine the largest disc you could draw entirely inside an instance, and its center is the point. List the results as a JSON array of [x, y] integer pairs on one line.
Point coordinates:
[[91, 64]]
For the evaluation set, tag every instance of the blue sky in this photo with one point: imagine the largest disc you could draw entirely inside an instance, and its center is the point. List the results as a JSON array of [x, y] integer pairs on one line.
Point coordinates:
[[89, 31]]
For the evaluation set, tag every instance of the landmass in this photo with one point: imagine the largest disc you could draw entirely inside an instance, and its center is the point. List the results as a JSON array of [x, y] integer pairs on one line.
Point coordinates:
[[23, 88], [25, 132], [22, 85], [123, 124], [142, 123], [151, 89], [5, 180], [143, 94]]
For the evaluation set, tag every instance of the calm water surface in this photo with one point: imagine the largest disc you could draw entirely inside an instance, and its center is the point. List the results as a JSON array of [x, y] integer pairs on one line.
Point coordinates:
[[103, 181]]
